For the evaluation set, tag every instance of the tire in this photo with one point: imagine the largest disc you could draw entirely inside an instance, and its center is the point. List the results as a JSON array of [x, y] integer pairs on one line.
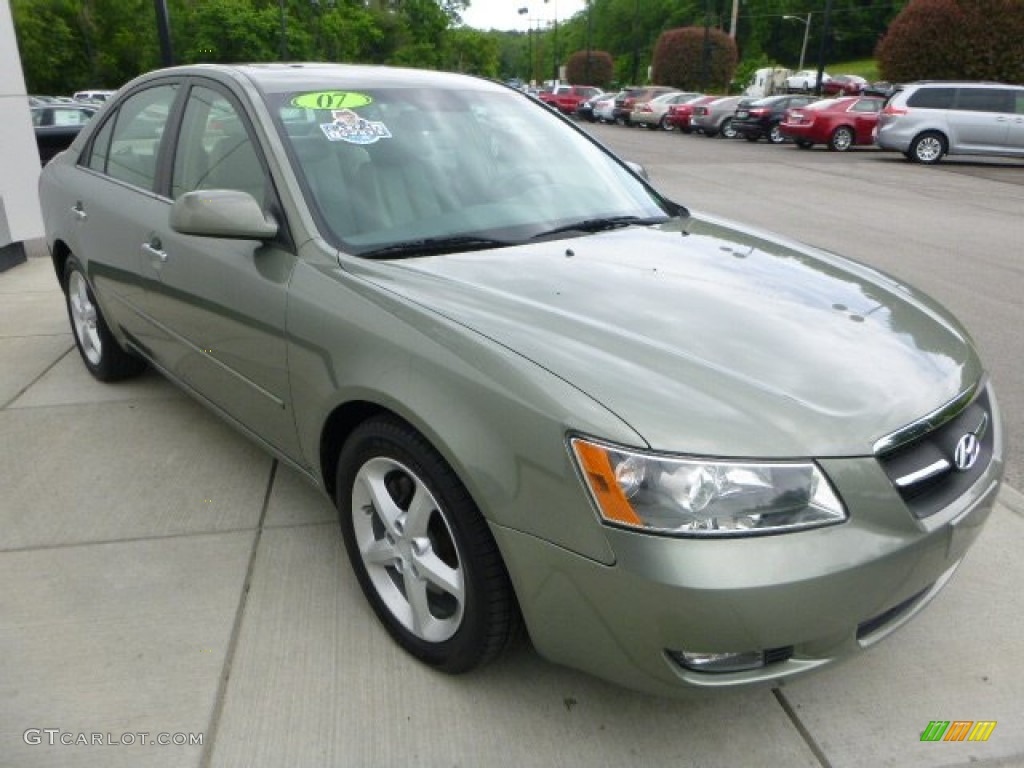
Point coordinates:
[[102, 355], [775, 134], [665, 125], [804, 143], [726, 131], [928, 148], [841, 139], [751, 138], [652, 126], [422, 552]]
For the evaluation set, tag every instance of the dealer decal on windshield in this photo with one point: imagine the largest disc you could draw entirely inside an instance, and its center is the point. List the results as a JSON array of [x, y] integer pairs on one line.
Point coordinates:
[[331, 100], [350, 127]]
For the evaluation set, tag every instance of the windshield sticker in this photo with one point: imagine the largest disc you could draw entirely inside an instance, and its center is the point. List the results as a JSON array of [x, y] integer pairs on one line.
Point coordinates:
[[331, 100], [350, 127]]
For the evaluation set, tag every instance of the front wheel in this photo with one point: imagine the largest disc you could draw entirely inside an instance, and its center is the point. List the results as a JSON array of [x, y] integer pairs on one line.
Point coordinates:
[[101, 353], [422, 552], [775, 135], [727, 131], [928, 148]]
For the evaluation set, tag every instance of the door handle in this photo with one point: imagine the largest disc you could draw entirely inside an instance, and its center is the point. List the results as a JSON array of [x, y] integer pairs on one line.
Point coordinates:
[[153, 249], [79, 211]]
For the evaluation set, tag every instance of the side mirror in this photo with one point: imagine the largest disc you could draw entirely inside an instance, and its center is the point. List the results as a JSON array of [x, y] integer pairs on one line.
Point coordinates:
[[638, 169], [221, 213]]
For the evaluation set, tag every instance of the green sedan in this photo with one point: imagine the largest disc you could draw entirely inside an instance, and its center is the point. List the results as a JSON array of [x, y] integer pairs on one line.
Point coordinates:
[[677, 452]]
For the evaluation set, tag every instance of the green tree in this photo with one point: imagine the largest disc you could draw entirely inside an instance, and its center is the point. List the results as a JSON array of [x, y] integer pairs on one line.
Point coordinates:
[[472, 51]]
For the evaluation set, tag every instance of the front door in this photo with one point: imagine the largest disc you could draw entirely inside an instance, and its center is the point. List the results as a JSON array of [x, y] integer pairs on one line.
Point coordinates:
[[217, 304]]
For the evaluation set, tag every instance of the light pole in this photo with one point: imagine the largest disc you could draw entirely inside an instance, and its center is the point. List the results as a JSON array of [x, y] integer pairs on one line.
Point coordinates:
[[524, 11], [590, 28], [807, 30], [554, 54]]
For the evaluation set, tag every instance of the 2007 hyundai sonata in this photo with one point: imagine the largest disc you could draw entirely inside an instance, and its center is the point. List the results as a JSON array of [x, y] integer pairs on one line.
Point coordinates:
[[679, 452]]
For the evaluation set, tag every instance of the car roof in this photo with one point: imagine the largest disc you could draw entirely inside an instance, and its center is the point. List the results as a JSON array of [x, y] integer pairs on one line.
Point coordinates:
[[290, 77]]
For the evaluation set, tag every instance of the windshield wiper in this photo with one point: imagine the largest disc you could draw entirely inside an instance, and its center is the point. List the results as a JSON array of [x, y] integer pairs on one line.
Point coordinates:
[[600, 225], [434, 245]]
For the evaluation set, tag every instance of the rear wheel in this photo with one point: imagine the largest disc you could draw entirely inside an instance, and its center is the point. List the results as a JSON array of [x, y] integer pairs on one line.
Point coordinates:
[[665, 125], [841, 139], [928, 148], [775, 135], [100, 351], [727, 131], [422, 552]]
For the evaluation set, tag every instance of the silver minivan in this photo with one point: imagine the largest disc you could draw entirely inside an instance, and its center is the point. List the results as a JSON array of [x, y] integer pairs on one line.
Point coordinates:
[[928, 120]]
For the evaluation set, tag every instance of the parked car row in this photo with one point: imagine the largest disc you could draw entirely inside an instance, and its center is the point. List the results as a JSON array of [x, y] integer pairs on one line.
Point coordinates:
[[925, 120]]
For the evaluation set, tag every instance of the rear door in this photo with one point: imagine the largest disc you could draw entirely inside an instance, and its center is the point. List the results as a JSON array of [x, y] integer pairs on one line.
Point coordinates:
[[1015, 139], [980, 119], [110, 196], [864, 113]]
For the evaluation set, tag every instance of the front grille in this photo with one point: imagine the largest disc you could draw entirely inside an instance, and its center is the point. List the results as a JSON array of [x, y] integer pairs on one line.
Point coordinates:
[[925, 470]]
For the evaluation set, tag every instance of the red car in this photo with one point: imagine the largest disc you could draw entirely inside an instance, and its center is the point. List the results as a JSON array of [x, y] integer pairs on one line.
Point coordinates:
[[679, 115], [566, 98], [837, 123], [844, 85]]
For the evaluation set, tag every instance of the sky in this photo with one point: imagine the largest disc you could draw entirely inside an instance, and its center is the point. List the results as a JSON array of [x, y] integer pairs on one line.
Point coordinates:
[[503, 14]]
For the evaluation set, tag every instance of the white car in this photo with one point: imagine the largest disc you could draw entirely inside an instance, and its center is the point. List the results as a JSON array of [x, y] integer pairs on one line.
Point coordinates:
[[604, 107], [805, 80]]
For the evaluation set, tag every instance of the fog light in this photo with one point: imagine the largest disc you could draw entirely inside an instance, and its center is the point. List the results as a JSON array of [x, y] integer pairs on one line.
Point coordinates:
[[719, 662]]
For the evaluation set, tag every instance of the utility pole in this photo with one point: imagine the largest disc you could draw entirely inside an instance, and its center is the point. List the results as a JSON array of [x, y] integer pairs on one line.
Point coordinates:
[[163, 28], [734, 18], [825, 30]]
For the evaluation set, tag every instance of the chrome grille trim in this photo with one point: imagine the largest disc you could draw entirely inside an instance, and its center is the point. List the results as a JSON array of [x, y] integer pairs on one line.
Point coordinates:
[[931, 470], [926, 424]]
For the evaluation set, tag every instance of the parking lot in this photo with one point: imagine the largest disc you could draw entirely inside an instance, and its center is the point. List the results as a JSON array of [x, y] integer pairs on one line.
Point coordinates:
[[163, 576]]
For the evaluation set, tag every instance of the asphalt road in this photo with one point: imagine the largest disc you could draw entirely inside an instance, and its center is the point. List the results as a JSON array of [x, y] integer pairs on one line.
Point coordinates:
[[955, 230]]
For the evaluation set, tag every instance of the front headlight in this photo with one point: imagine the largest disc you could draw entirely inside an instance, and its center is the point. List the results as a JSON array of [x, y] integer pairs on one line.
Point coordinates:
[[704, 497]]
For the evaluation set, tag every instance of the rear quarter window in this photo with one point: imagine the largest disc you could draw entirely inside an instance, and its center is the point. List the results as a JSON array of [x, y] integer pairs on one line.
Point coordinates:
[[932, 98]]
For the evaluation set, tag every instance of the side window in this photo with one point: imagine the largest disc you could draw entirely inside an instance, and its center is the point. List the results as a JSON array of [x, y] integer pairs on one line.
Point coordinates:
[[135, 142], [214, 150], [985, 100], [932, 98], [101, 146], [1020, 102], [866, 105]]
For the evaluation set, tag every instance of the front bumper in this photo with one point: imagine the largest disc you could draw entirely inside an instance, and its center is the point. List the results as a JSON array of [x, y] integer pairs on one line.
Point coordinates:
[[819, 595]]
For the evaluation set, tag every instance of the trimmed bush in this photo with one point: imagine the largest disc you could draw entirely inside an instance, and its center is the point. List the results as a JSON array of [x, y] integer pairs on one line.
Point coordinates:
[[600, 73], [679, 59], [955, 40]]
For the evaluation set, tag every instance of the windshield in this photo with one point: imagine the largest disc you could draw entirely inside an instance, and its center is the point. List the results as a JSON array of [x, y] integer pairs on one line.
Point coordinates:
[[395, 165]]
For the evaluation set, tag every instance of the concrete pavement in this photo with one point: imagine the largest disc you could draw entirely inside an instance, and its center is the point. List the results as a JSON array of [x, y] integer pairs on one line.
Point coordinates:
[[161, 575]]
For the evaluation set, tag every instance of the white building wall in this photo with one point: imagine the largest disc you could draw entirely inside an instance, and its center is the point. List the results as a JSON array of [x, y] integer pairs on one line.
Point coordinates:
[[20, 216]]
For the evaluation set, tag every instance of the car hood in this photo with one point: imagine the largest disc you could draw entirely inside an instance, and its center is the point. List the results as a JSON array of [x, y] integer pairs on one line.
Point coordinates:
[[709, 339]]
